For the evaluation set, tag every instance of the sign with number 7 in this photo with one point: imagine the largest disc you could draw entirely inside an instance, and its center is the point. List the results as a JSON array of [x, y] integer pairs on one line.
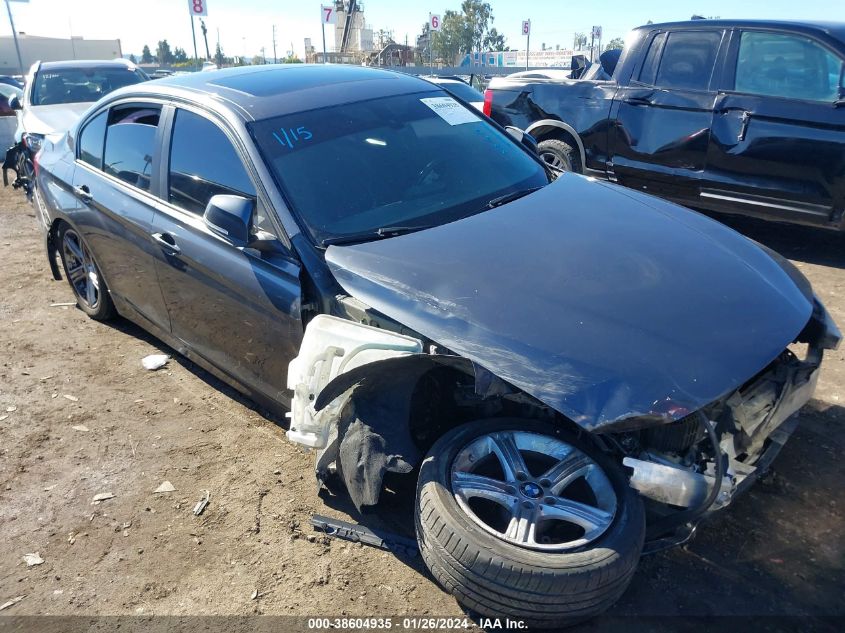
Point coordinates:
[[198, 7], [328, 15]]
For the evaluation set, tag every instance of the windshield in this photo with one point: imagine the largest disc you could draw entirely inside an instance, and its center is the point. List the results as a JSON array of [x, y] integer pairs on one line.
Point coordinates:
[[80, 85], [411, 160]]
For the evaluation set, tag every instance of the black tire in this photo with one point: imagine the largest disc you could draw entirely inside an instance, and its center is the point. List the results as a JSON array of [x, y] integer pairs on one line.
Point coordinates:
[[495, 578], [100, 309], [560, 154]]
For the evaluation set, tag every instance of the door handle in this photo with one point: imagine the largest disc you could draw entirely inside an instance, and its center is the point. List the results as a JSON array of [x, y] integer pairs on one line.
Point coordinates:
[[639, 100], [166, 241], [744, 120], [83, 193]]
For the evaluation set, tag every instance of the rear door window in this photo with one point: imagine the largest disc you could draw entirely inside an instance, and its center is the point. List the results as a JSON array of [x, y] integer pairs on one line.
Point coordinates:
[[788, 66], [91, 141], [130, 144], [203, 163], [688, 60]]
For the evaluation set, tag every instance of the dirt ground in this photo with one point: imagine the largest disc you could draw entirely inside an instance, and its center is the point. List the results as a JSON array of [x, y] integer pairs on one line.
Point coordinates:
[[79, 417]]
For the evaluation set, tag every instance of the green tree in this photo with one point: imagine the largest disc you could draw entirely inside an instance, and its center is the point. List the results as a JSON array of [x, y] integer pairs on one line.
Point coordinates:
[[477, 17], [452, 39], [163, 53], [464, 31], [494, 41], [132, 58], [179, 55], [146, 55], [291, 59], [219, 58], [616, 42]]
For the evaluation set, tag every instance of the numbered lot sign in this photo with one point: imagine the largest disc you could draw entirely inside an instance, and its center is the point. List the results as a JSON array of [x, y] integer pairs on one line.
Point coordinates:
[[327, 14], [434, 22], [198, 7], [526, 27]]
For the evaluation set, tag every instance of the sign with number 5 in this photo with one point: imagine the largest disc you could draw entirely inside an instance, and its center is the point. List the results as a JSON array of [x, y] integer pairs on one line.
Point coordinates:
[[198, 7], [526, 27], [328, 14], [434, 23]]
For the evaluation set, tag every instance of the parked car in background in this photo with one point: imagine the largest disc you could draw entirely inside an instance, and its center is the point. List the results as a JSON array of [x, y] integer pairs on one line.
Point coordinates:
[[7, 92], [54, 96], [519, 340], [460, 89], [730, 116], [11, 81]]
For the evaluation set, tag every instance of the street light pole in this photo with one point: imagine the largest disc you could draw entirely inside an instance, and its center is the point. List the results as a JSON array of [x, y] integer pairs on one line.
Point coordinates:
[[15, 36]]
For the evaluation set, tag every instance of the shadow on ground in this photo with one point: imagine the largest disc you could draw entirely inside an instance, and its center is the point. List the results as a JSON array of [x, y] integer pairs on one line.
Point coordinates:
[[812, 245]]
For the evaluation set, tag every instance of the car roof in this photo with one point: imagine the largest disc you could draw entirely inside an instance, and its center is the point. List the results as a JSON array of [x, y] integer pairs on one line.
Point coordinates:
[[260, 92], [87, 63], [835, 29]]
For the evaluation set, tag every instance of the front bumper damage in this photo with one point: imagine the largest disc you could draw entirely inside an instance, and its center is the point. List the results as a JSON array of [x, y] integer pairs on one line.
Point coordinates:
[[12, 161]]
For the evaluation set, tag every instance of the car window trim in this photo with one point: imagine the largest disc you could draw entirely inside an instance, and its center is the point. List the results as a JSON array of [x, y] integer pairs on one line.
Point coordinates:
[[261, 197], [728, 83]]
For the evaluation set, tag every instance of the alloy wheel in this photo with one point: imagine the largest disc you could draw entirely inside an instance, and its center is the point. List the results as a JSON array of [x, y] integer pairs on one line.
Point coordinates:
[[81, 270], [533, 490]]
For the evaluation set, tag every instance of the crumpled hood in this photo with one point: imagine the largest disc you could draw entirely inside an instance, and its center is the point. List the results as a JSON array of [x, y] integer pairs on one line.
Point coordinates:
[[603, 303], [53, 118]]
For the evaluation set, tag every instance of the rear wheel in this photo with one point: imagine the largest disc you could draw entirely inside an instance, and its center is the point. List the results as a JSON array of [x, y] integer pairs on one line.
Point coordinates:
[[559, 155], [84, 277], [517, 519]]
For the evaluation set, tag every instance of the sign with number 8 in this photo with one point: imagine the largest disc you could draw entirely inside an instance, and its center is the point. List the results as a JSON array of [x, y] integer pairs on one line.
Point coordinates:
[[198, 7]]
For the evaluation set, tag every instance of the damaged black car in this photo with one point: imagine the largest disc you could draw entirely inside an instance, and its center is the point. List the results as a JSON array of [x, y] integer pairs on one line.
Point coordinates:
[[574, 372]]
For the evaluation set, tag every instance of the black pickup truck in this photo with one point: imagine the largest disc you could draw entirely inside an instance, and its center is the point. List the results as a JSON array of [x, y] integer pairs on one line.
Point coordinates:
[[731, 116]]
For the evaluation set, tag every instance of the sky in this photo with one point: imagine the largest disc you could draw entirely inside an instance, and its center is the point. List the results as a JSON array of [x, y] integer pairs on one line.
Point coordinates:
[[245, 26]]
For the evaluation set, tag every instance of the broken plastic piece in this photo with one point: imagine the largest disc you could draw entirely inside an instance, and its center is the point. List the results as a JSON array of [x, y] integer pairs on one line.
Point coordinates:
[[202, 503], [360, 534], [165, 486], [155, 361]]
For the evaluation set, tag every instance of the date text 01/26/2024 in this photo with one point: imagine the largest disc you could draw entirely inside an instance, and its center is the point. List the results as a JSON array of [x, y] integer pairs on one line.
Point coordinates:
[[414, 624]]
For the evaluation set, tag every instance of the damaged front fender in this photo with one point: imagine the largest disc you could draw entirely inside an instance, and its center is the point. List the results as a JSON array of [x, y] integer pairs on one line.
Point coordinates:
[[353, 391]]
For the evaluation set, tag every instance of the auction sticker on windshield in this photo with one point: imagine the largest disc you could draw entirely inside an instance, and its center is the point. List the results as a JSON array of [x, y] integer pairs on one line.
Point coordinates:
[[450, 110]]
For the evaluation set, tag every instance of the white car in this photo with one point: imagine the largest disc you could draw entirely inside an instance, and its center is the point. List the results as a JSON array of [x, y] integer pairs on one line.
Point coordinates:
[[55, 95]]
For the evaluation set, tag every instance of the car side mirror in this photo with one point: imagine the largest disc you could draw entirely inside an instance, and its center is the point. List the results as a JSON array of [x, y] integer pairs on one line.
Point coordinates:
[[230, 217], [266, 243], [15, 103], [524, 138]]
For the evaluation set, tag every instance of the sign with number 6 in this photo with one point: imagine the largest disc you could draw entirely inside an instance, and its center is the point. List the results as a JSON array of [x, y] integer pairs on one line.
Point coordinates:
[[526, 27], [434, 23], [327, 14], [198, 7]]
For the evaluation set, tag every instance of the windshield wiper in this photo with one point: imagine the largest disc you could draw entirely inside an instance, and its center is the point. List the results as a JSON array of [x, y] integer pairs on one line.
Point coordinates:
[[367, 236], [510, 197]]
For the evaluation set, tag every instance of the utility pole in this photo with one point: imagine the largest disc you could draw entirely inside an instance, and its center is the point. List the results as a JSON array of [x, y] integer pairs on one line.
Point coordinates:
[[194, 36], [205, 37], [275, 60]]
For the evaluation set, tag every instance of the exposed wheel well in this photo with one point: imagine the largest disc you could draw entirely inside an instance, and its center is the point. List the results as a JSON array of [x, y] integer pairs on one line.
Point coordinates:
[[550, 131]]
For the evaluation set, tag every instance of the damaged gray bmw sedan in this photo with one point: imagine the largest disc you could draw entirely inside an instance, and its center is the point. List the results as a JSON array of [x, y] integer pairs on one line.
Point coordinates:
[[573, 371]]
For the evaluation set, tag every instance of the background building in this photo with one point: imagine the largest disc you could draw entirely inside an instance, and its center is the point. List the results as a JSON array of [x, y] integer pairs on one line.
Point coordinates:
[[52, 49]]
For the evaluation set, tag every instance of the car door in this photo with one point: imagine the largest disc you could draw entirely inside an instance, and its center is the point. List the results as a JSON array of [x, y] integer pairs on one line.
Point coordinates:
[[661, 118], [778, 143], [114, 184], [235, 308]]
